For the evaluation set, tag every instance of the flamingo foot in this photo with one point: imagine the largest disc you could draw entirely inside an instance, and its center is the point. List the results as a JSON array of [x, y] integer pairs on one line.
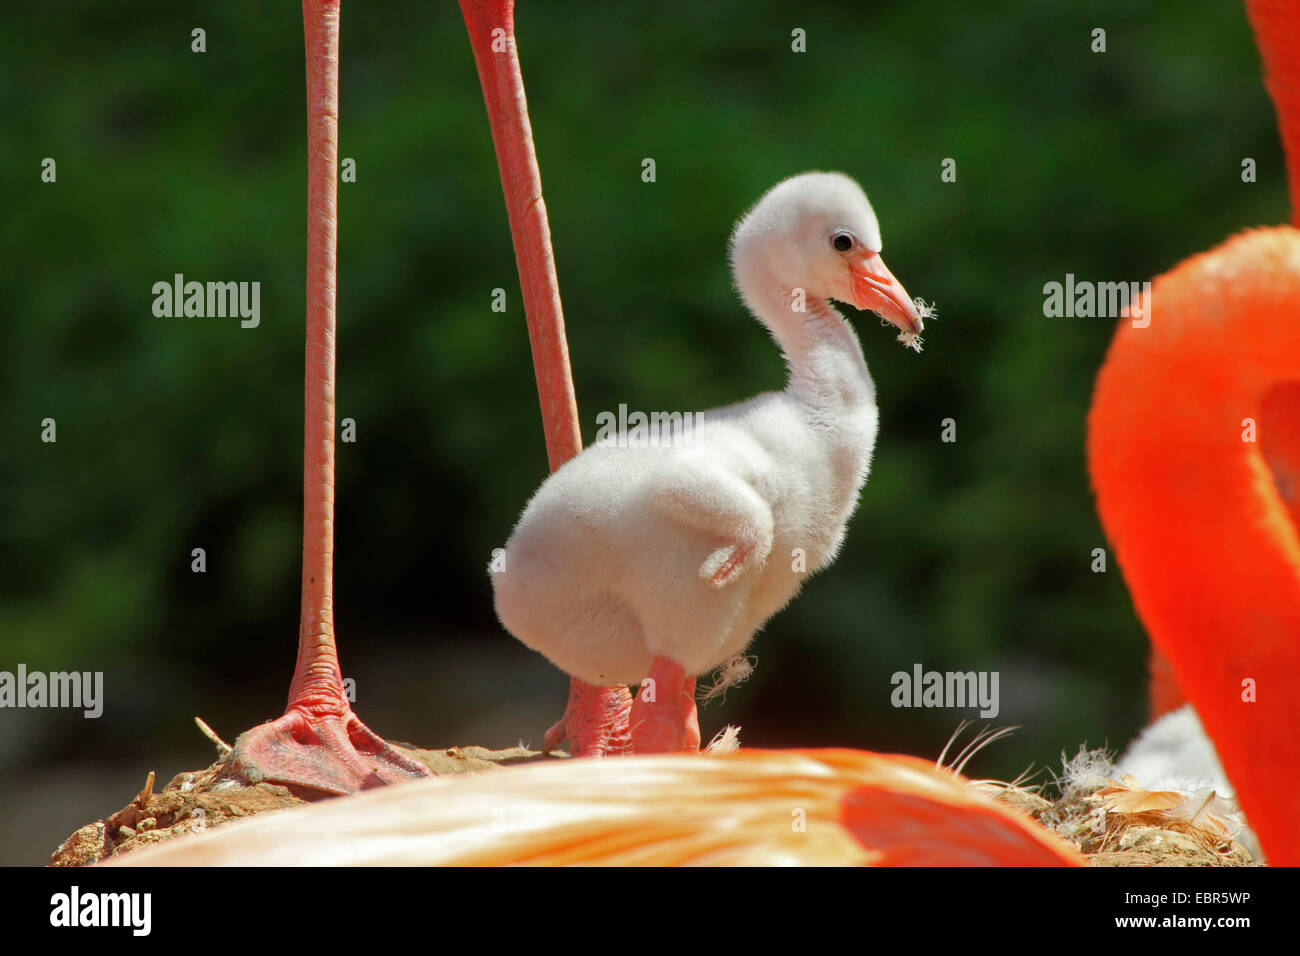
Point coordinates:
[[331, 752], [664, 718], [595, 721]]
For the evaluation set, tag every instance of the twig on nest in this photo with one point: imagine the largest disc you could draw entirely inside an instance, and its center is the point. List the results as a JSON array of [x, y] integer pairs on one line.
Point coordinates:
[[142, 798], [223, 748]]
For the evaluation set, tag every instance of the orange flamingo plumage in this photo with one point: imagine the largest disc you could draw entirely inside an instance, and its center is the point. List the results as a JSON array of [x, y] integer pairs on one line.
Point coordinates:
[[1201, 514], [757, 808]]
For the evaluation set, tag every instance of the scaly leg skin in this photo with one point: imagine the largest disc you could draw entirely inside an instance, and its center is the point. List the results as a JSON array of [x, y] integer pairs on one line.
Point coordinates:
[[596, 721], [320, 745], [669, 723]]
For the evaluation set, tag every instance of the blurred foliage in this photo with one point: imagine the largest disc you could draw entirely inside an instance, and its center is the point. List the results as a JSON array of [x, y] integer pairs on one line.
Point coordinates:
[[183, 433]]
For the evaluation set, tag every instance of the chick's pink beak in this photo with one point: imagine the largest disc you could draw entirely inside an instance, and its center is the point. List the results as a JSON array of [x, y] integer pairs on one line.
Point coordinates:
[[875, 288]]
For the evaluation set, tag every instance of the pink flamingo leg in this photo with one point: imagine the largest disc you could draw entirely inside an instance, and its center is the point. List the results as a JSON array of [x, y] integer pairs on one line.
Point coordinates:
[[320, 744], [521, 180], [664, 718], [595, 720]]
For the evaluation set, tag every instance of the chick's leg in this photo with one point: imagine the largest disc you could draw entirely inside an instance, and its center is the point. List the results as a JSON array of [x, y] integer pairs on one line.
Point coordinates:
[[595, 721], [664, 718]]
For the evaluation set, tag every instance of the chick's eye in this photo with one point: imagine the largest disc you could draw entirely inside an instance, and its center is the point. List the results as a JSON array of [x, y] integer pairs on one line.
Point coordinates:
[[841, 242]]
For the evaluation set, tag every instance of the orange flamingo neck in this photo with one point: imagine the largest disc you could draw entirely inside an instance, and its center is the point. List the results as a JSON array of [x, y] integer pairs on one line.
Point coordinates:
[[1187, 416], [1277, 31]]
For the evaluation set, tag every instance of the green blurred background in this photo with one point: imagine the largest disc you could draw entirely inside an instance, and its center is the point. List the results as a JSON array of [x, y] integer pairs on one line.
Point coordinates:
[[182, 433]]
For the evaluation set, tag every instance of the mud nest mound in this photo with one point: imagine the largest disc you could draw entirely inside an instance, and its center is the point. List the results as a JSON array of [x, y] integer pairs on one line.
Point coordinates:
[[197, 800]]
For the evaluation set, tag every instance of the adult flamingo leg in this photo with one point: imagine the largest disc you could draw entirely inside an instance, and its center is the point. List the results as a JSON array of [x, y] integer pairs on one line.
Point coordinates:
[[319, 743], [596, 718]]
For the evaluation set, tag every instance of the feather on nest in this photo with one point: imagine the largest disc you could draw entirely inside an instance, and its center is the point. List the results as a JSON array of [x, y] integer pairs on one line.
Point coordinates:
[[1115, 821]]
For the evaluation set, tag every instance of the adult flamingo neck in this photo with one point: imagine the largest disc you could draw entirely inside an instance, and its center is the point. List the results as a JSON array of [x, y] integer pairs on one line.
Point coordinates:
[[1277, 31], [317, 679], [1191, 437]]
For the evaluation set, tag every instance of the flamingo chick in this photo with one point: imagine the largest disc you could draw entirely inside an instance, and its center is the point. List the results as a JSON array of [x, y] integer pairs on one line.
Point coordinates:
[[665, 560]]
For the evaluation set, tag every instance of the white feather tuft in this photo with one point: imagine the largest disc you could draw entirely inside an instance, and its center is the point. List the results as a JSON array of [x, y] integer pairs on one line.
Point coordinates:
[[726, 741]]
